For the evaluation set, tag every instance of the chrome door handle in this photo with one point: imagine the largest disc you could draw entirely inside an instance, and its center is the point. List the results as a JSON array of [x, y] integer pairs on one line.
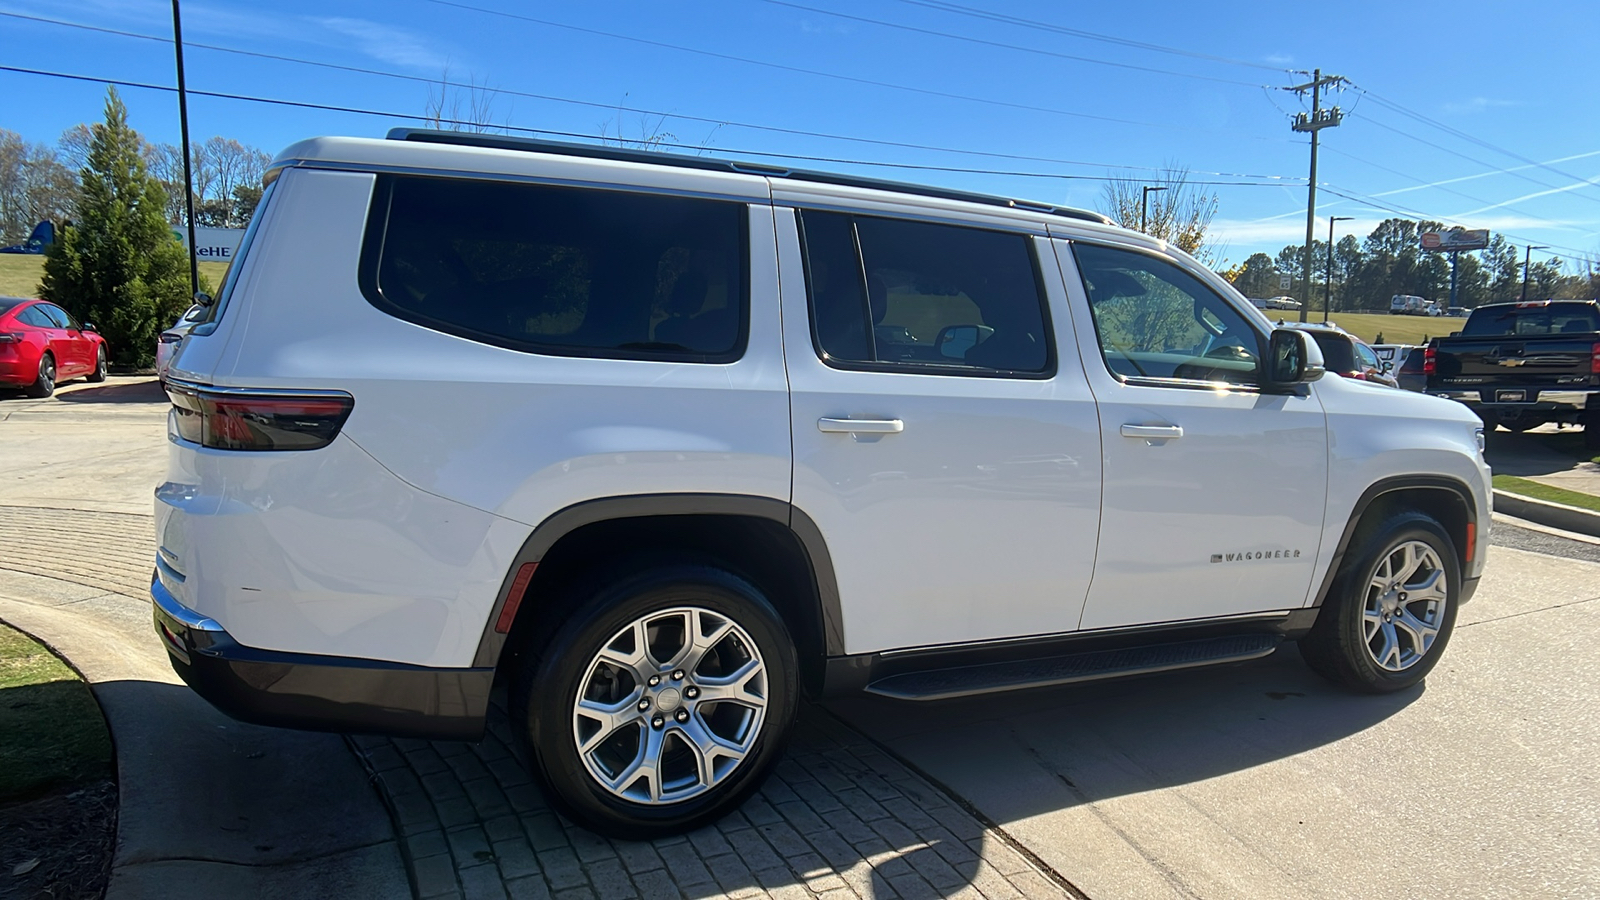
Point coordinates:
[[860, 426], [1153, 432]]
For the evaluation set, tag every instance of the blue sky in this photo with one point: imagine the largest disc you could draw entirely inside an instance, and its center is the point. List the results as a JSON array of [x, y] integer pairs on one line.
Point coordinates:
[[1082, 97]]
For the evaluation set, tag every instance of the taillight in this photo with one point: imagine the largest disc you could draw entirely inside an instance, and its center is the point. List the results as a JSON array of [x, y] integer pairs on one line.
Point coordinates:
[[243, 420], [14, 338], [1594, 359], [1430, 361]]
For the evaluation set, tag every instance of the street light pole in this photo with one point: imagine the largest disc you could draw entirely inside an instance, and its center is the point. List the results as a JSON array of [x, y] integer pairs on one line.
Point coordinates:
[[183, 125], [1327, 285], [1528, 258], [1144, 204]]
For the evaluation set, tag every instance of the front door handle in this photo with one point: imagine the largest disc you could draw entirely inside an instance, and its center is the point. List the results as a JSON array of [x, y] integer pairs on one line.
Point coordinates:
[[1153, 432], [860, 426]]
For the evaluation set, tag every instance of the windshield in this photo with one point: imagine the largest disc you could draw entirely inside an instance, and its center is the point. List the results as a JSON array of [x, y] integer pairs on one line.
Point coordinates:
[[1553, 318]]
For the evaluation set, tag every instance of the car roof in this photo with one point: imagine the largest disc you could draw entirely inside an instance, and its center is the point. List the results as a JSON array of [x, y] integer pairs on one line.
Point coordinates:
[[9, 303], [420, 151]]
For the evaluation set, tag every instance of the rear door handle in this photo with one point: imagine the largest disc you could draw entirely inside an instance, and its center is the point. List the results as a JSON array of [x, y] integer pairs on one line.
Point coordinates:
[[1153, 432], [861, 426]]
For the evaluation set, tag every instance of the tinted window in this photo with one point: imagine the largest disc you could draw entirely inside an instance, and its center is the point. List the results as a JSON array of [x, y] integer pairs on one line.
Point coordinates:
[[570, 271], [1368, 358], [1556, 318], [6, 303], [1338, 353], [1154, 320], [942, 298], [35, 316], [59, 316]]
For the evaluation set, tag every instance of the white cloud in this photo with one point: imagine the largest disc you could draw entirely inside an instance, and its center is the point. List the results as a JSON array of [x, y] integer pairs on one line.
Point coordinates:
[[1280, 59], [1478, 104], [387, 43]]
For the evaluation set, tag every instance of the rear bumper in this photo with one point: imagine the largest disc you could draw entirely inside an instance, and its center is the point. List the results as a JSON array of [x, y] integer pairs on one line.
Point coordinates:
[[1545, 400], [319, 693]]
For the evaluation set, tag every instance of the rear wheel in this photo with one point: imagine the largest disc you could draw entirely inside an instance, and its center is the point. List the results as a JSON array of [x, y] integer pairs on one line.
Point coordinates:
[[662, 703], [1391, 609], [99, 373], [1521, 423], [45, 384], [1591, 426]]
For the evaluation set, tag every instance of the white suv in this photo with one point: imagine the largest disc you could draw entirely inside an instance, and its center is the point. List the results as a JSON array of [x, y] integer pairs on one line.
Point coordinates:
[[663, 443]]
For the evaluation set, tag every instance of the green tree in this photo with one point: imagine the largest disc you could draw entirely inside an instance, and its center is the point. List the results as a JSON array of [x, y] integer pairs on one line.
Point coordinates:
[[118, 265]]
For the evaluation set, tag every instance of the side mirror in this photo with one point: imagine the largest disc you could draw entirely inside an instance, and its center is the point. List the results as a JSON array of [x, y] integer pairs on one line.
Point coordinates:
[[1292, 358], [954, 341], [201, 298], [89, 326]]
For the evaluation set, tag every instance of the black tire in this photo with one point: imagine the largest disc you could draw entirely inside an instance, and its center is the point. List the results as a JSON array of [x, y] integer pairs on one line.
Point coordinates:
[[547, 689], [1520, 424], [1338, 646], [45, 384], [99, 373], [1591, 426]]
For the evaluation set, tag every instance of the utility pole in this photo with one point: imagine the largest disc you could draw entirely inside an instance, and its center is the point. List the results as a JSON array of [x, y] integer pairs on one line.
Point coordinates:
[[1528, 258], [1144, 204], [188, 176], [1314, 122], [1327, 285]]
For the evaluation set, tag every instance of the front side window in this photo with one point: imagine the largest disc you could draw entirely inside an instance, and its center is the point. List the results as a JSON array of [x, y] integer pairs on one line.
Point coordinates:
[[567, 271], [1156, 321], [909, 296]]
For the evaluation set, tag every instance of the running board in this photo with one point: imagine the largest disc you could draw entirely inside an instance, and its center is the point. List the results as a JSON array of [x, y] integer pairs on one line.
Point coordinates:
[[943, 684]]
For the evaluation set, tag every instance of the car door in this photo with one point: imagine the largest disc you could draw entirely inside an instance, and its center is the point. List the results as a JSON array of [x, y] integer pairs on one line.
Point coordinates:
[[1214, 490], [55, 338], [72, 357], [946, 445]]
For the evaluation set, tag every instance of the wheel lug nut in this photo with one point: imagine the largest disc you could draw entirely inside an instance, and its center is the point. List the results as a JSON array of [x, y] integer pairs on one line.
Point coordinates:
[[644, 705], [678, 675], [655, 680], [657, 722], [692, 692], [683, 715]]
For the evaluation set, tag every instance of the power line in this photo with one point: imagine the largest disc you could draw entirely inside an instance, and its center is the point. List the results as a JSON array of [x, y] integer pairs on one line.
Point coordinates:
[[1448, 129], [929, 92], [1087, 35], [325, 107], [1005, 46], [1408, 213], [1426, 184], [445, 82]]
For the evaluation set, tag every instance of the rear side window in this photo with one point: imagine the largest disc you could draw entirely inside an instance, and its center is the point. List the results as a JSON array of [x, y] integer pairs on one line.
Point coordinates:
[[896, 295], [560, 270], [1553, 318], [35, 316], [1338, 354]]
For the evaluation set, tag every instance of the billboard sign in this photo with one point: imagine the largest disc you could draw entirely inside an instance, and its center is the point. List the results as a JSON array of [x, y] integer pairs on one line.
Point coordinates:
[[1455, 239], [211, 244]]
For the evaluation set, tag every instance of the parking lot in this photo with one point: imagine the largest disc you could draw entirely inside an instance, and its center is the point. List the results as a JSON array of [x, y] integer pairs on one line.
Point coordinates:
[[1257, 780]]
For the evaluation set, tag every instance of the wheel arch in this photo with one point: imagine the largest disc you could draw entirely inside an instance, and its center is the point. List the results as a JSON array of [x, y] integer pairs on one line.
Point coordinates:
[[1446, 499], [768, 541]]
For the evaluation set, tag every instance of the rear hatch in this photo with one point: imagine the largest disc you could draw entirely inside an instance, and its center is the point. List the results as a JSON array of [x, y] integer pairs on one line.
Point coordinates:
[[1533, 347]]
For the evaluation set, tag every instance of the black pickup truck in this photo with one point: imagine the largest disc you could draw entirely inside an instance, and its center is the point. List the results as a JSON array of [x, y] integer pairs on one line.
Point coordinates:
[[1521, 365]]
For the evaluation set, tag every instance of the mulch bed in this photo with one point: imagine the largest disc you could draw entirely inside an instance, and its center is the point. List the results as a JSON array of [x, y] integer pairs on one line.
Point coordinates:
[[59, 846]]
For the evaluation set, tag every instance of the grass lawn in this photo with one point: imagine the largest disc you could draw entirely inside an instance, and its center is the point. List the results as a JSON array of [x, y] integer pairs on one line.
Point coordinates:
[[1395, 329], [1514, 485], [19, 274], [52, 734]]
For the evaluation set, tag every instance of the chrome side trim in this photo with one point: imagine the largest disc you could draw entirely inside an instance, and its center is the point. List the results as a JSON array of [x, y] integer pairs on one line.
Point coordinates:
[[183, 615], [195, 387], [1276, 615]]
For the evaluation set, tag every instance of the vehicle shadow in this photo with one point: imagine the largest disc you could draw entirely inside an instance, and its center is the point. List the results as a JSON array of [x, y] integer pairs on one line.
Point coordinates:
[[136, 392], [1023, 754], [1535, 452]]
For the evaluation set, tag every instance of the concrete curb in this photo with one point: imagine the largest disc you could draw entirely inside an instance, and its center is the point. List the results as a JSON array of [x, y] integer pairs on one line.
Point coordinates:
[[1555, 515]]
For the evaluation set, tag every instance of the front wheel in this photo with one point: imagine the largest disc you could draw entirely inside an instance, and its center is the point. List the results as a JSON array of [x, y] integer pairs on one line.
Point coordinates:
[[1391, 609], [99, 373], [662, 704]]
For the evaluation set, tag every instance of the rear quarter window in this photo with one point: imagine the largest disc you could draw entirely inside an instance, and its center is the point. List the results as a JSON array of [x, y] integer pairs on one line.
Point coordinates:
[[561, 270]]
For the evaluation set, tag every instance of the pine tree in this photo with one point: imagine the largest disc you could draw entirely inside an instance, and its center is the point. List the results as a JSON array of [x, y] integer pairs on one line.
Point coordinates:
[[118, 266]]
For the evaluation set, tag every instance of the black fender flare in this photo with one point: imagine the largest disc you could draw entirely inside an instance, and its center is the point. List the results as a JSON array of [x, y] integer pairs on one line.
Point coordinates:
[[1388, 486], [565, 521]]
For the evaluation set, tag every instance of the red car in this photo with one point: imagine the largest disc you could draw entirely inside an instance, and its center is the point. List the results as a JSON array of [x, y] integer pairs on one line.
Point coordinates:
[[41, 345]]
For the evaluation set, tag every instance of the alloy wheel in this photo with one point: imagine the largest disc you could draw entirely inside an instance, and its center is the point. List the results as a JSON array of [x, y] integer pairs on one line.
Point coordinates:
[[1405, 606], [670, 706]]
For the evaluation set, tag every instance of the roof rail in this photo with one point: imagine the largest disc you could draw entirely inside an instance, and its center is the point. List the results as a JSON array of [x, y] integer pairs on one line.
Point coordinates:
[[660, 158]]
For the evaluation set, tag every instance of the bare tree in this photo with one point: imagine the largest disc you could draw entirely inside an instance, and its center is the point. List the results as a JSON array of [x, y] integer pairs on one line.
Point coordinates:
[[73, 146], [1180, 214], [35, 186], [461, 107]]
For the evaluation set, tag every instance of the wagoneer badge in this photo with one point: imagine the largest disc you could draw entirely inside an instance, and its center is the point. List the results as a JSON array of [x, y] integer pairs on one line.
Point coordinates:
[[1255, 554]]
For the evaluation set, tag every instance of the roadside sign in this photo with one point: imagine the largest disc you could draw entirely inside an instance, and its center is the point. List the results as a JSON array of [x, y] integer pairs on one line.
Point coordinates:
[[1455, 239], [1285, 281]]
